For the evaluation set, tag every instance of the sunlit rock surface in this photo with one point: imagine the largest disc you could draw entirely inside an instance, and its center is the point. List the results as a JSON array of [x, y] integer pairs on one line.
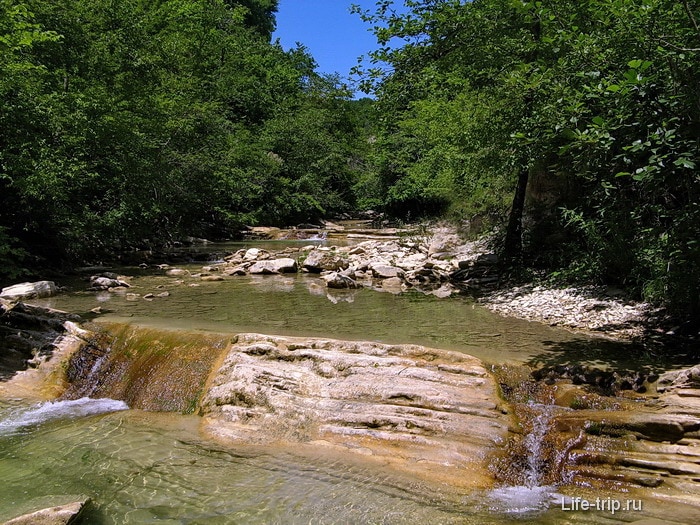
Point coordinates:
[[34, 341], [649, 441], [430, 411], [23, 291], [61, 514]]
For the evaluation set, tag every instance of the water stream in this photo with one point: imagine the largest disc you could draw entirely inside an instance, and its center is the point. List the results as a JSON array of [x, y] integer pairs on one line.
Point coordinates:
[[152, 467], [299, 305], [143, 467]]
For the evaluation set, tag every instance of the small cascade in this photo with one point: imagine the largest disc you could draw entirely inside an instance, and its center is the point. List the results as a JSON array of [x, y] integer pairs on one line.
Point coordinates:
[[320, 236], [534, 444], [91, 379], [84, 367], [148, 369], [19, 419], [534, 460]]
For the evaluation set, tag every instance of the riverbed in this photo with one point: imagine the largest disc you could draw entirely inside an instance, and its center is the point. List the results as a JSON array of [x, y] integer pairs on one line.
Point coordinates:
[[301, 305], [145, 467]]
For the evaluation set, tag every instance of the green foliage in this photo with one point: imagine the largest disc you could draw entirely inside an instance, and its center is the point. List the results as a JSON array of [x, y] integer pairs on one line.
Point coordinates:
[[12, 258], [128, 124], [596, 100]]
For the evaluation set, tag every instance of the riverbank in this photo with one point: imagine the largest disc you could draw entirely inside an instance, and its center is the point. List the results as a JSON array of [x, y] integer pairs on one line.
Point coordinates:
[[438, 261], [598, 310]]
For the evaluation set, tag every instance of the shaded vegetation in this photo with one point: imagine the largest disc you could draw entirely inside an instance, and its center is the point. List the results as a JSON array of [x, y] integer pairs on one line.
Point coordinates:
[[131, 124], [571, 125]]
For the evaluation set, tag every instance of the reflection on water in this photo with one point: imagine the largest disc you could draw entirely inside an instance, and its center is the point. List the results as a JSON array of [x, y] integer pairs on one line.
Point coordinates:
[[301, 305]]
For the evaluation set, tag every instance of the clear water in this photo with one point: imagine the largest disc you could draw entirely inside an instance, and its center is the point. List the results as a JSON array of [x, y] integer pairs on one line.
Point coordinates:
[[300, 305], [141, 467]]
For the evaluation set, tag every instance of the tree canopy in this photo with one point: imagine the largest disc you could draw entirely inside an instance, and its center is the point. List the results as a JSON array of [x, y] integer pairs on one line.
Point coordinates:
[[595, 102], [131, 123]]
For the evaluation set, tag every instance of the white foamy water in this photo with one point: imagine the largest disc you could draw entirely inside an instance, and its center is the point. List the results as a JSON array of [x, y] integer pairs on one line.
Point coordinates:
[[532, 496], [54, 410], [522, 500]]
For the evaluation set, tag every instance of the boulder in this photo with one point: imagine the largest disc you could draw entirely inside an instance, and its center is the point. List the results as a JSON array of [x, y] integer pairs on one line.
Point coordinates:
[[24, 291], [382, 271], [105, 282], [339, 281], [240, 269], [443, 241], [284, 265], [252, 254], [28, 335], [687, 378], [412, 261], [320, 260]]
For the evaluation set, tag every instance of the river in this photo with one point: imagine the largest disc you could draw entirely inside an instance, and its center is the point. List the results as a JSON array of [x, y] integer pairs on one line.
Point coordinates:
[[146, 467]]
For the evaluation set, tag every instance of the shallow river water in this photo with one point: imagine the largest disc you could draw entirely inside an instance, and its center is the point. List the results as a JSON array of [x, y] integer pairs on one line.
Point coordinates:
[[300, 305], [141, 467]]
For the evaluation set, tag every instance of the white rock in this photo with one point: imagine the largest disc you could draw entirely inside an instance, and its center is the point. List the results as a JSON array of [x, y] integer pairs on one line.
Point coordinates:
[[22, 291]]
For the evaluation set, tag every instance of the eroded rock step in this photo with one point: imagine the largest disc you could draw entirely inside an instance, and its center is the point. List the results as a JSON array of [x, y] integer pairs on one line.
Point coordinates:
[[430, 411]]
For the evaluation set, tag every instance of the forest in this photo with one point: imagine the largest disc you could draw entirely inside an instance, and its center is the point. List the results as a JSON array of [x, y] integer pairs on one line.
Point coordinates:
[[569, 128]]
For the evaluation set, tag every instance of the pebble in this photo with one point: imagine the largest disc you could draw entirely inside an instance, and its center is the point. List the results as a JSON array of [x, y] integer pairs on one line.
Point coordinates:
[[578, 308]]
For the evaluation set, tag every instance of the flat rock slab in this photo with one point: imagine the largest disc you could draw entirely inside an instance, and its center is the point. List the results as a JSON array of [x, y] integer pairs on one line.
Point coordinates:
[[58, 515], [432, 412]]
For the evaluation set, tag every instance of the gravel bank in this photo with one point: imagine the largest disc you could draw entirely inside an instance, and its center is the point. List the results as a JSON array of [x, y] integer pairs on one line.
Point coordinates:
[[589, 308]]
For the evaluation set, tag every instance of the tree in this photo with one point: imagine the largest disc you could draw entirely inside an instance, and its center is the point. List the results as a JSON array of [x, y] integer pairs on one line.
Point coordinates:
[[18, 75], [596, 97], [131, 124]]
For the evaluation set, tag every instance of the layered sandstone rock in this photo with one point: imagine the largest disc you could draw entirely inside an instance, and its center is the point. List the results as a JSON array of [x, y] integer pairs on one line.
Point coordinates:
[[428, 411]]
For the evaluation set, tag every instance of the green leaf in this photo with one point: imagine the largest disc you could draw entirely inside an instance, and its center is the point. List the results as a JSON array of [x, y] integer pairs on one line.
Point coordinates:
[[684, 163]]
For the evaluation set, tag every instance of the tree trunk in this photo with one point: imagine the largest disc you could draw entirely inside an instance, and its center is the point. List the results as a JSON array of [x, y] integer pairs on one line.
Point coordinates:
[[513, 244]]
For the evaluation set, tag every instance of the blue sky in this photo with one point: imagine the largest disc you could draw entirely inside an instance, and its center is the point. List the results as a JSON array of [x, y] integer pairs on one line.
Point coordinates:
[[333, 36]]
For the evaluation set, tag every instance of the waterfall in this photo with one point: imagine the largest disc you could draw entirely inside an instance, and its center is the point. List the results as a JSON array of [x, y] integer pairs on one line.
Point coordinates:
[[91, 379], [321, 236], [149, 369], [533, 460], [534, 443]]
